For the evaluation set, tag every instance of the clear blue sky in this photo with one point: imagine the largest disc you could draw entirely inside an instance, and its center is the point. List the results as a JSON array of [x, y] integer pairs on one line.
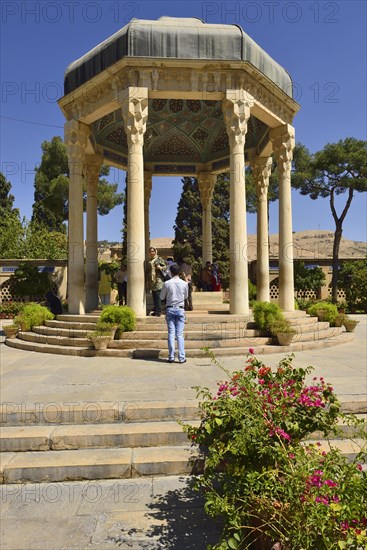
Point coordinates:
[[321, 43]]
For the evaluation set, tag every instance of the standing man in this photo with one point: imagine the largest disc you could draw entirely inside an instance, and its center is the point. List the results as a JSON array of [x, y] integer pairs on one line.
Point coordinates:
[[175, 291], [154, 274]]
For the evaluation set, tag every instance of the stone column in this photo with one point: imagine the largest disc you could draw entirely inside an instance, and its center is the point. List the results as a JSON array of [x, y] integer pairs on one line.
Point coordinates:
[[76, 136], [262, 170], [134, 104], [283, 144], [93, 165], [206, 182], [147, 194], [236, 109]]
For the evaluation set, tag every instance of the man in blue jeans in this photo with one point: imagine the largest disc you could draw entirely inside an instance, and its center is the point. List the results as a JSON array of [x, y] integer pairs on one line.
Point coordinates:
[[175, 291]]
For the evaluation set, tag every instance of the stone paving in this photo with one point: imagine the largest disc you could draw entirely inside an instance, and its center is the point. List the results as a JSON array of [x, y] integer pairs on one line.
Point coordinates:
[[137, 513]]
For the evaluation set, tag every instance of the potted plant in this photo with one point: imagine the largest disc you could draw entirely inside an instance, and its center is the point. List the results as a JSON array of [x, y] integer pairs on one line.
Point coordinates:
[[269, 486], [284, 331], [122, 317], [349, 324], [11, 330], [339, 320], [102, 336]]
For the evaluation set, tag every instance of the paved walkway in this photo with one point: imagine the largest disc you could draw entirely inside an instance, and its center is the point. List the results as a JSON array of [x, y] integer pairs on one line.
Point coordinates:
[[144, 513]]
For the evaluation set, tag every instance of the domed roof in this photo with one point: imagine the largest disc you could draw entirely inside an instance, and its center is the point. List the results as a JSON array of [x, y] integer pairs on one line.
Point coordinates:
[[177, 38]]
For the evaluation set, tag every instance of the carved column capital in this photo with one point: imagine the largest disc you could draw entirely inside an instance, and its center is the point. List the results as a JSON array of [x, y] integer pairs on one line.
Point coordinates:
[[134, 105], [93, 165], [236, 108], [76, 138], [283, 141], [261, 172], [206, 187]]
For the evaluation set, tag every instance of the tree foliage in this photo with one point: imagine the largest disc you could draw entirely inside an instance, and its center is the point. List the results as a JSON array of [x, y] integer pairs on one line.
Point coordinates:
[[353, 279], [308, 278], [29, 281], [188, 227], [339, 168], [11, 228], [51, 204]]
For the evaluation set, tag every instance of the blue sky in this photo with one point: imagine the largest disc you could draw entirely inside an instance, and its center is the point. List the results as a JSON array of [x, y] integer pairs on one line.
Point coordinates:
[[321, 43]]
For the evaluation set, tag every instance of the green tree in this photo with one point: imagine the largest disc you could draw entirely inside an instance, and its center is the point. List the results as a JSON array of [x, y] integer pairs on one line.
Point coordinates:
[[308, 278], [40, 243], [28, 281], [188, 227], [50, 207], [353, 279], [11, 228], [339, 168]]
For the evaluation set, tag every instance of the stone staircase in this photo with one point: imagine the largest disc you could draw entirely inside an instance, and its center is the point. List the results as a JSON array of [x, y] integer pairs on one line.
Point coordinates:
[[81, 444], [208, 326]]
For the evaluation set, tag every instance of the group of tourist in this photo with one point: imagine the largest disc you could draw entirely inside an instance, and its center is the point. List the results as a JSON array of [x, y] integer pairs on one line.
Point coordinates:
[[210, 278], [170, 283]]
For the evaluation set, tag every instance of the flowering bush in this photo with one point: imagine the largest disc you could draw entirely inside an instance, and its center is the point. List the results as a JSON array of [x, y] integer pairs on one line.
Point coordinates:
[[260, 475], [10, 308]]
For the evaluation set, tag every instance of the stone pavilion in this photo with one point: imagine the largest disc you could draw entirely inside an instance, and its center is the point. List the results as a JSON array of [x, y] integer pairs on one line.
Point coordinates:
[[178, 96]]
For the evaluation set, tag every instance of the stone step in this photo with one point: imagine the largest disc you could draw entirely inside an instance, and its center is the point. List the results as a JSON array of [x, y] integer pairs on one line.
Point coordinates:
[[106, 463], [192, 332], [207, 298], [194, 339], [69, 325], [87, 318], [86, 436], [348, 447], [46, 414], [82, 436], [161, 353], [54, 340], [20, 343], [66, 332], [58, 466]]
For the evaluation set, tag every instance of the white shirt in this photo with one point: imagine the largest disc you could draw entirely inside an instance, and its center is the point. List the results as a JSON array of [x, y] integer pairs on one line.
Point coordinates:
[[175, 291]]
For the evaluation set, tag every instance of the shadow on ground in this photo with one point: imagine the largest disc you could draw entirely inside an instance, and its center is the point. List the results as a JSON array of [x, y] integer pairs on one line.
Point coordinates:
[[176, 521]]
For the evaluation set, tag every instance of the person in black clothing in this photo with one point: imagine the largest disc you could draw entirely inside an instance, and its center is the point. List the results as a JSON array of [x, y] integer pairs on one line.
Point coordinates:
[[53, 303]]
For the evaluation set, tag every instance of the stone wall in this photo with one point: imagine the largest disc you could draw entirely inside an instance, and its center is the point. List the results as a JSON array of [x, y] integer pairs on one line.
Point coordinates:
[[56, 269]]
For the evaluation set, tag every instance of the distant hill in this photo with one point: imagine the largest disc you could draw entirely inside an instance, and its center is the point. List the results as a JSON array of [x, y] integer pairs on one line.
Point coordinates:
[[317, 244], [307, 245]]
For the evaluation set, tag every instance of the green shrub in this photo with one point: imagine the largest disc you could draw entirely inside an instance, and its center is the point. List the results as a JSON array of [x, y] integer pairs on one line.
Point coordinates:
[[33, 315], [121, 316], [265, 314], [331, 311]]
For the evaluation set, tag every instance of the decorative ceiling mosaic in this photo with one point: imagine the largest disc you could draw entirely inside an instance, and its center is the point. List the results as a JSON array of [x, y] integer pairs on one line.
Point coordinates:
[[178, 131]]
